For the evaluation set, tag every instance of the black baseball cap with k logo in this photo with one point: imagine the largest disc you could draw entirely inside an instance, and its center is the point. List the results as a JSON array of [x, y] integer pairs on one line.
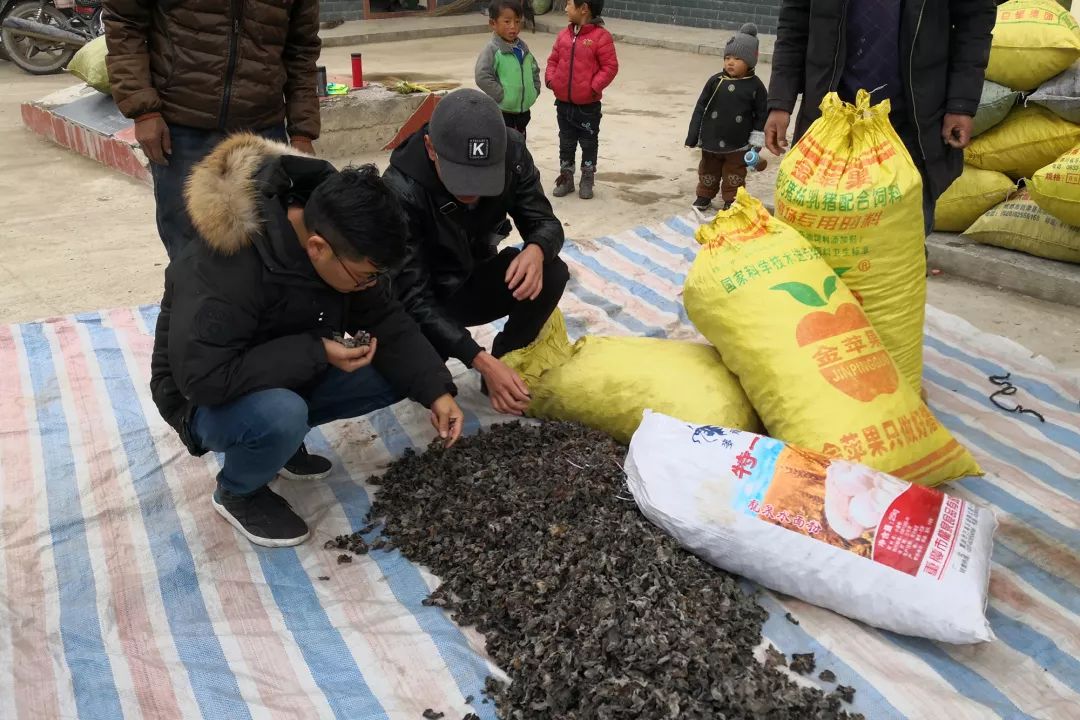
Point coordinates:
[[469, 136]]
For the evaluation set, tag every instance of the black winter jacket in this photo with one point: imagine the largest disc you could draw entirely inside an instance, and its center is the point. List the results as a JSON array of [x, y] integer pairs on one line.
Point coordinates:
[[446, 240], [244, 310], [728, 111], [944, 48]]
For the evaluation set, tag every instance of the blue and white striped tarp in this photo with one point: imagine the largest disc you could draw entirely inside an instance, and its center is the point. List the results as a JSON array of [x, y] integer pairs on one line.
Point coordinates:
[[123, 595]]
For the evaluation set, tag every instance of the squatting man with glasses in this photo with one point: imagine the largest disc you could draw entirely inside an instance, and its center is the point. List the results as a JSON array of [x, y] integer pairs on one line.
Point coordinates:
[[290, 254]]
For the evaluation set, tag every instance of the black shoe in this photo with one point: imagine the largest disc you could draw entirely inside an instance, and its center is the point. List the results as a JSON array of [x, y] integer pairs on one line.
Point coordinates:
[[702, 203], [263, 517], [305, 466]]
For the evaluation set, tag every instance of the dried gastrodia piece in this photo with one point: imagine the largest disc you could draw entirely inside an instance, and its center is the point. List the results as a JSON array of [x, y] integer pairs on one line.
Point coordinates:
[[846, 693], [802, 663], [361, 339], [591, 610]]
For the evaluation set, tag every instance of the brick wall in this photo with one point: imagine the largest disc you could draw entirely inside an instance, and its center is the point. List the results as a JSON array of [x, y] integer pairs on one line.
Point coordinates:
[[720, 14], [341, 10], [347, 9]]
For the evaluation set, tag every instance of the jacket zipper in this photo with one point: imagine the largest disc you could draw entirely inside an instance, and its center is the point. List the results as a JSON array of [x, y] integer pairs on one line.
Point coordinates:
[[839, 41], [570, 82], [522, 64], [911, 81], [236, 7]]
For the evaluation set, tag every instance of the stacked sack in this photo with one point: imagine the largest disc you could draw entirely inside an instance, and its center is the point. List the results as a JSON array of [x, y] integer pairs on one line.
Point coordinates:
[[1028, 129], [808, 358], [851, 188]]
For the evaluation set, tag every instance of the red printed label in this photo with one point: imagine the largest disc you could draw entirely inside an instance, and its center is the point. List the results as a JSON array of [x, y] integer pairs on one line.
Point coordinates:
[[908, 528]]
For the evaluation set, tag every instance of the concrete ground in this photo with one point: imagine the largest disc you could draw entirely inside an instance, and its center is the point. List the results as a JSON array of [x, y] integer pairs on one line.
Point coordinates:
[[80, 237]]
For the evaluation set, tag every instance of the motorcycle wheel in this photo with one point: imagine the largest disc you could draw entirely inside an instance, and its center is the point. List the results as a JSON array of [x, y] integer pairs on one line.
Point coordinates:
[[33, 56]]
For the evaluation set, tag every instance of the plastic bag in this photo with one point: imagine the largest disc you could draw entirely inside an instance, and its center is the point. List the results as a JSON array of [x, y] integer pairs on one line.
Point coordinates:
[[1034, 40], [1020, 224], [1028, 139], [973, 193], [606, 382], [850, 187], [1061, 95], [994, 106], [1056, 188], [88, 65], [806, 355], [866, 545]]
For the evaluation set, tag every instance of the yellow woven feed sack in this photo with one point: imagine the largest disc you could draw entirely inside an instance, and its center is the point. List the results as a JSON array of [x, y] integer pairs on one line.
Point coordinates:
[[88, 65], [607, 383], [1028, 139], [850, 187], [1020, 224], [805, 353], [973, 193], [1034, 40], [1056, 187]]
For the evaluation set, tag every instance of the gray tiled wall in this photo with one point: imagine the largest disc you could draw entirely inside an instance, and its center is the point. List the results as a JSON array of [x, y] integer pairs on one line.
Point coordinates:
[[698, 13]]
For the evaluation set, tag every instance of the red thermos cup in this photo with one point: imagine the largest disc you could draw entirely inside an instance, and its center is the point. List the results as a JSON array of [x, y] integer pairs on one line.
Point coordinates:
[[357, 70]]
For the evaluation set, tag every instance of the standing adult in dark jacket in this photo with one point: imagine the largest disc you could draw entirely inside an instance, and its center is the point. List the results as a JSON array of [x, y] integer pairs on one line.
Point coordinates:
[[928, 57], [458, 179], [190, 71], [244, 363]]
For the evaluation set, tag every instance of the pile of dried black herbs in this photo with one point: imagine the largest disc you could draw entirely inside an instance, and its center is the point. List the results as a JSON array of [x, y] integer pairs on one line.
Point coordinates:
[[591, 610]]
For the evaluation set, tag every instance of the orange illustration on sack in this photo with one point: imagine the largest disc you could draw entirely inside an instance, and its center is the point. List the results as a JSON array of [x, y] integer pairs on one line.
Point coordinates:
[[848, 352]]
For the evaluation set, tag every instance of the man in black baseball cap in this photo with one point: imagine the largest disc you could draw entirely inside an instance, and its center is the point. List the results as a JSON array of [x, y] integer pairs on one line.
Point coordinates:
[[458, 179]]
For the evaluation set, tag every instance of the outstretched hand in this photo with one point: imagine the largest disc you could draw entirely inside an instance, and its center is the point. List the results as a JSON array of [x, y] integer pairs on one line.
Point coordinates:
[[447, 419]]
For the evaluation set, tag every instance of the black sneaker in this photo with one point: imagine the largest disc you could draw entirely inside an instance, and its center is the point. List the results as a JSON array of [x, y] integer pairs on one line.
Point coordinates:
[[702, 203], [263, 517], [305, 466]]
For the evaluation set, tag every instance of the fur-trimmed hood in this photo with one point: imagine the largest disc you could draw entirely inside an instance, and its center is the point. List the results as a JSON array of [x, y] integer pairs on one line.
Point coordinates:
[[224, 192]]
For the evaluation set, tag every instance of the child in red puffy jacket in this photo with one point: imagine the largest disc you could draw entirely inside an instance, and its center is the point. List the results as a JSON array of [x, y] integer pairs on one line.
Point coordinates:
[[581, 64]]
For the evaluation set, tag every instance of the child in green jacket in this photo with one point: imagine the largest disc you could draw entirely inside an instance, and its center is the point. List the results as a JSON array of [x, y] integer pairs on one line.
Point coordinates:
[[506, 70]]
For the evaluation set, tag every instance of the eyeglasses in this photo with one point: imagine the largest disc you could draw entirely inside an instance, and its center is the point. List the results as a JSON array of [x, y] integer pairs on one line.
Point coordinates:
[[366, 280]]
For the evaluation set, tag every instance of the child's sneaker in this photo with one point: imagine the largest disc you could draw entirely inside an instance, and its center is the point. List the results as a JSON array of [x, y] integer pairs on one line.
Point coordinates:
[[702, 203]]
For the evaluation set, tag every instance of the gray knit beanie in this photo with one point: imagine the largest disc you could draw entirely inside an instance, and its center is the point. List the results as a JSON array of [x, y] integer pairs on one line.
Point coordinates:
[[744, 45]]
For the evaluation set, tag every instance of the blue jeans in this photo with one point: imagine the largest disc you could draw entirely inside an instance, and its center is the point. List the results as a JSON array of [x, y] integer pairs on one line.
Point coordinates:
[[260, 431], [189, 147]]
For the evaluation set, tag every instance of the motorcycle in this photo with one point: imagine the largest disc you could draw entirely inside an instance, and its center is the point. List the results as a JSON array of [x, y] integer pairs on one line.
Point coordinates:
[[41, 36]]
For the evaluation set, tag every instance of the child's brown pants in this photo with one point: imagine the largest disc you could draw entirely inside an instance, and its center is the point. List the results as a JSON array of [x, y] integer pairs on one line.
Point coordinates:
[[721, 173]]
